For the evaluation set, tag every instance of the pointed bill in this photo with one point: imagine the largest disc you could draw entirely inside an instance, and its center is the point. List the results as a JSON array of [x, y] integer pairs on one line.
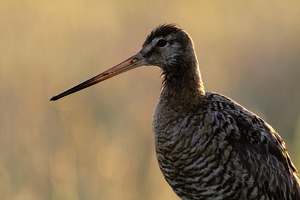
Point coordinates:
[[128, 64]]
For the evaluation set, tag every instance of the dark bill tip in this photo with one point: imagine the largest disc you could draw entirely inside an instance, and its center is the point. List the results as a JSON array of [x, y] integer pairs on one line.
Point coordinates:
[[54, 98]]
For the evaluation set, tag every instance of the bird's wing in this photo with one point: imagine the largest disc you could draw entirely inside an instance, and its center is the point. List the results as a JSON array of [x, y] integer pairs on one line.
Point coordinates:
[[262, 152]]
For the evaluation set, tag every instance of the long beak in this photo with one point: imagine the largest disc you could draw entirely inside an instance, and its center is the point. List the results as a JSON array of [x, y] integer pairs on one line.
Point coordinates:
[[128, 64]]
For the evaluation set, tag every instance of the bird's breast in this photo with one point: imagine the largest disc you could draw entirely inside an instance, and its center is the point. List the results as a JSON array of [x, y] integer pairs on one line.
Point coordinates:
[[191, 153]]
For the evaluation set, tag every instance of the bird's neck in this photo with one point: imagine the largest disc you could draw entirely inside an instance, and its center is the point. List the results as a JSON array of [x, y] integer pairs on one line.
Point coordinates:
[[183, 86]]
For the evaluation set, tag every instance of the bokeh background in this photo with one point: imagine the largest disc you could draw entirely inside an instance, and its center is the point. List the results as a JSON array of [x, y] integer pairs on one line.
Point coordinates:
[[98, 143]]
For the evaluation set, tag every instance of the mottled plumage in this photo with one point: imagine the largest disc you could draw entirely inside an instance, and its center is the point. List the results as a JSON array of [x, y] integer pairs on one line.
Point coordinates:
[[207, 145]]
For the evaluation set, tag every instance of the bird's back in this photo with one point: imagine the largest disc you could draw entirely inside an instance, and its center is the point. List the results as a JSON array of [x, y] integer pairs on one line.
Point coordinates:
[[216, 149]]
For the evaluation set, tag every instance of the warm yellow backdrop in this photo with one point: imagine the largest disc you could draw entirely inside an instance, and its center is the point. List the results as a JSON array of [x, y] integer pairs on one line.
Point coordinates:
[[98, 144]]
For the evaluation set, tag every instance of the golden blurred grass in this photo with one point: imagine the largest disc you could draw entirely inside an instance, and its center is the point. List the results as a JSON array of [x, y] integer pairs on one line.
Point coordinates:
[[98, 144]]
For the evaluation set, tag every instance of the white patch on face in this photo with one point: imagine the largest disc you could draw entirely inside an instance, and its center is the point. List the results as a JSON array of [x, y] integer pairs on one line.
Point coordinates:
[[147, 48], [165, 55]]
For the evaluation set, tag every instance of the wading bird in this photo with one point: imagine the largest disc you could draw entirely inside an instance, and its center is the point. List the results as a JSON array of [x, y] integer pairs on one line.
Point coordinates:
[[207, 145]]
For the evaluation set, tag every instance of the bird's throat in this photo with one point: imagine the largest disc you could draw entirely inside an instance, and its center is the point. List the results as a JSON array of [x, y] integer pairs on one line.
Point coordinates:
[[182, 85]]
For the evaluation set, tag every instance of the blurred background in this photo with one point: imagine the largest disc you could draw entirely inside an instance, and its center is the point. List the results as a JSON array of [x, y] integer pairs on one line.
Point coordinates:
[[98, 143]]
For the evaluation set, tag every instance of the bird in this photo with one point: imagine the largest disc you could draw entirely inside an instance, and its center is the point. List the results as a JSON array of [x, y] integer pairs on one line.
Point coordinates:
[[207, 145]]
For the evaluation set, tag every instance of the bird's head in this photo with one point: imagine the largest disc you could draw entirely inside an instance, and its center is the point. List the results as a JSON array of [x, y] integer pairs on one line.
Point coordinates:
[[168, 47]]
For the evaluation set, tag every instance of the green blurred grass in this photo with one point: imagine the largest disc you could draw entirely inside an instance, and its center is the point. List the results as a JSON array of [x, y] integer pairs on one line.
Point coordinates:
[[98, 144]]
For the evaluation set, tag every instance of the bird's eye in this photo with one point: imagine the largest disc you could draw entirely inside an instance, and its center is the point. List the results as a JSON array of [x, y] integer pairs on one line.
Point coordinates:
[[161, 43]]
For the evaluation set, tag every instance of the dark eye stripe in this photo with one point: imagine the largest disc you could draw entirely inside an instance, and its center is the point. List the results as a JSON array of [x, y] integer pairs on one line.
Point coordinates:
[[161, 43]]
